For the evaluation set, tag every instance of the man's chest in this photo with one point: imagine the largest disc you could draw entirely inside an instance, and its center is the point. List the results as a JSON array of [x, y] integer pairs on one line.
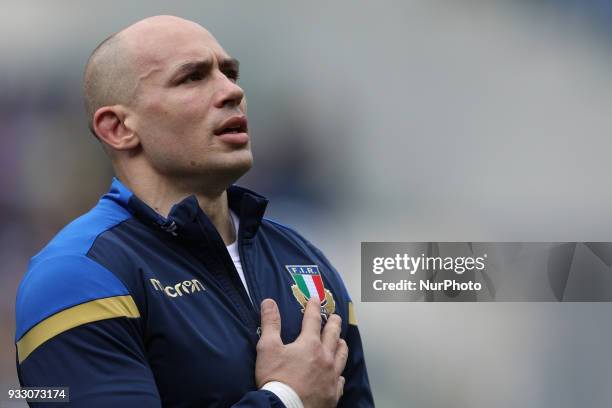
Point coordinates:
[[201, 327]]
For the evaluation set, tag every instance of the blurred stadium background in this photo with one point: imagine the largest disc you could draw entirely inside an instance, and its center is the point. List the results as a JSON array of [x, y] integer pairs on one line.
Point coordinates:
[[372, 121]]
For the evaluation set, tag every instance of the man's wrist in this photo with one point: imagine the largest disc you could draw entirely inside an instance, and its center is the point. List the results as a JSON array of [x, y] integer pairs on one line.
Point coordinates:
[[285, 393]]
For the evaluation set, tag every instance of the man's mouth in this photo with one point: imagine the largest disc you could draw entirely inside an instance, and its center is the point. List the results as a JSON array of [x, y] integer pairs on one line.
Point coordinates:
[[235, 124]]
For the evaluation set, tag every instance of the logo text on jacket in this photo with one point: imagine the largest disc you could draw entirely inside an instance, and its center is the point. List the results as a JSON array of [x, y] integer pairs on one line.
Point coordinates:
[[179, 289]]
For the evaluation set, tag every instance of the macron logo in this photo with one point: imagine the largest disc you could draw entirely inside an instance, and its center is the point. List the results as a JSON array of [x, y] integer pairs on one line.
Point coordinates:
[[182, 288]]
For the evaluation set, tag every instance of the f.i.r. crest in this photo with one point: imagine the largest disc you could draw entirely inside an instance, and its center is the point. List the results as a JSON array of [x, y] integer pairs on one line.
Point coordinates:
[[308, 283]]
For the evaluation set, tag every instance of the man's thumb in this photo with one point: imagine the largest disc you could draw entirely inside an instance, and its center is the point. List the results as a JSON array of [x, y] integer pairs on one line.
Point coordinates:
[[270, 319]]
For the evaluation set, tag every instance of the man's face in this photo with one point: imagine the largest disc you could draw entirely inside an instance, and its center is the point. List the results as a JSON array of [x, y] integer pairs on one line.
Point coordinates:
[[188, 112]]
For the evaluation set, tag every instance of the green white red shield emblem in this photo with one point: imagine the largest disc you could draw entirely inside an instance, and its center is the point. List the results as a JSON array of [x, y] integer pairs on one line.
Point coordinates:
[[309, 283]]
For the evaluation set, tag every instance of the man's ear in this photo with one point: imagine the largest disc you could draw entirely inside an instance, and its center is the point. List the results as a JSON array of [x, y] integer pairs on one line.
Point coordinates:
[[109, 124]]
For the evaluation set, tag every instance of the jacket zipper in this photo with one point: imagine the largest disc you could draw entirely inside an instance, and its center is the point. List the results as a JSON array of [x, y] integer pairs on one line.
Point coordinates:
[[229, 280], [252, 288]]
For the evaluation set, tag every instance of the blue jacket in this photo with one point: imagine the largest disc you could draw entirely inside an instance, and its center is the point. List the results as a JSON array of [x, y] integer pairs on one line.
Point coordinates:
[[129, 308]]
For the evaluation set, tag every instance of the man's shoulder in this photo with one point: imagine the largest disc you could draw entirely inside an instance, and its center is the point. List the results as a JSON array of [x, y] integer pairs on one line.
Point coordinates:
[[289, 233], [61, 275], [288, 236], [78, 236]]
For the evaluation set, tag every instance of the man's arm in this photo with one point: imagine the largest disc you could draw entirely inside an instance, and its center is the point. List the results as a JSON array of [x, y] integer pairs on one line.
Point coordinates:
[[104, 365], [79, 327], [357, 392]]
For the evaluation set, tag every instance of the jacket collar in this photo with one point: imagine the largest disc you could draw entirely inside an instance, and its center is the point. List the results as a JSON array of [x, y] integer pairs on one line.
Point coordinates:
[[186, 219]]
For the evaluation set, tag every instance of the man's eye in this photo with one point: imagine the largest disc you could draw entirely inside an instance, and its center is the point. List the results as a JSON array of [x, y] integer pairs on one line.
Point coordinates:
[[195, 76], [233, 76]]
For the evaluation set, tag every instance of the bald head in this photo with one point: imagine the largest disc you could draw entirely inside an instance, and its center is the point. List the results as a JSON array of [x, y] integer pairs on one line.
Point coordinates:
[[114, 67]]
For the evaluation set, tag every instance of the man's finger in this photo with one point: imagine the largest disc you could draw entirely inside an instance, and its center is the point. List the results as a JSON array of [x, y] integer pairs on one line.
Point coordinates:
[[311, 323], [340, 390], [331, 332], [341, 356], [270, 319]]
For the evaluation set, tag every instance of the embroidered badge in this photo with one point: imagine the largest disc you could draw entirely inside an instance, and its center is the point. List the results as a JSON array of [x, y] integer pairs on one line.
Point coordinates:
[[309, 283]]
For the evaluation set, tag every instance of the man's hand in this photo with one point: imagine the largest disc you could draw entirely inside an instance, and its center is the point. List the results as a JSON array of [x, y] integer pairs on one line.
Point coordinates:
[[312, 364]]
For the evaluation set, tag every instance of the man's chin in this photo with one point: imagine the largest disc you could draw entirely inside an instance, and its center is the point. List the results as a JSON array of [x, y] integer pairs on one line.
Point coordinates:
[[238, 170], [226, 172], [238, 162]]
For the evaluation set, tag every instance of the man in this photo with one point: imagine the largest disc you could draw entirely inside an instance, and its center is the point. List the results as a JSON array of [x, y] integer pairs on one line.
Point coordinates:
[[168, 291]]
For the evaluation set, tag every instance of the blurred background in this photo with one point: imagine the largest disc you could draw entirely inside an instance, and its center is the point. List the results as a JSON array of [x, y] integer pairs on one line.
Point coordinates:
[[371, 121]]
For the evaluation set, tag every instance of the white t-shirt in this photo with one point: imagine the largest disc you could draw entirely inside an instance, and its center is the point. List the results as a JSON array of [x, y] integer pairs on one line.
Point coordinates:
[[235, 255]]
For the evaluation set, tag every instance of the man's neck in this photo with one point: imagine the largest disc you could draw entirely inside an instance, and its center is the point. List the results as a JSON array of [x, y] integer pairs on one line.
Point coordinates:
[[161, 195]]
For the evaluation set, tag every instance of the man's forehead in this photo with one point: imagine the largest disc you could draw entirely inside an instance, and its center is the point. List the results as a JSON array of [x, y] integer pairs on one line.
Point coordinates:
[[165, 42]]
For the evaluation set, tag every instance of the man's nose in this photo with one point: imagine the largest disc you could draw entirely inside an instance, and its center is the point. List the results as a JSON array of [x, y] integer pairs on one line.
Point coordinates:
[[229, 93]]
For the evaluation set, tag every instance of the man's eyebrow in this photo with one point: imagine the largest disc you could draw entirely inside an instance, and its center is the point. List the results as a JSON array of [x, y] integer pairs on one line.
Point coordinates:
[[205, 65], [229, 63], [190, 66]]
